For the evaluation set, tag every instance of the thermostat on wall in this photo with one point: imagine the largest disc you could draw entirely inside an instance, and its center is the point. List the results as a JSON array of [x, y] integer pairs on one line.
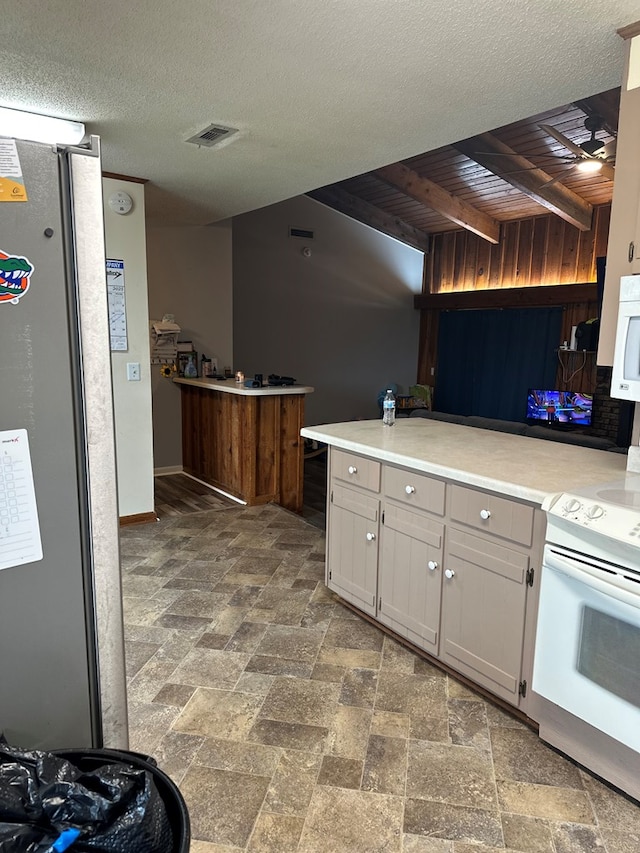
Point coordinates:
[[120, 202]]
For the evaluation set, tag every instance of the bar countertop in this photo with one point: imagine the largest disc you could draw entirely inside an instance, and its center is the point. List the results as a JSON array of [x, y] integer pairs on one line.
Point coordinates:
[[230, 386], [515, 465]]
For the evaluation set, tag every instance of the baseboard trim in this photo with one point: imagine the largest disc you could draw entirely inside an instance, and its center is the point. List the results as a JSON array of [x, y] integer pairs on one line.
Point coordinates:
[[139, 518], [216, 489], [170, 469]]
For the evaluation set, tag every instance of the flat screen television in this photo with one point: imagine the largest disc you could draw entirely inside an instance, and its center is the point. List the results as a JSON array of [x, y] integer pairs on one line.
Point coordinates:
[[559, 408]]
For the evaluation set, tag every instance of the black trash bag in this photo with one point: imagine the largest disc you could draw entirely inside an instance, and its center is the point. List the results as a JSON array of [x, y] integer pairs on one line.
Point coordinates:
[[113, 808]]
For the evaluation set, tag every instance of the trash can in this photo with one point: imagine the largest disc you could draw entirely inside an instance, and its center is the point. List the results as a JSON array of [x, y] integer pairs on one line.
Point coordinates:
[[95, 800], [87, 760]]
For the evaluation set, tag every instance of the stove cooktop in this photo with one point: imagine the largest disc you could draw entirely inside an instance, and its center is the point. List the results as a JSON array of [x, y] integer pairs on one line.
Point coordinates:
[[612, 509]]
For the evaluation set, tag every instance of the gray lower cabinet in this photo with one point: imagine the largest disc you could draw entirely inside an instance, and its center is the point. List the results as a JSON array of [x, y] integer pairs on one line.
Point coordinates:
[[483, 611], [352, 546], [410, 575], [445, 566]]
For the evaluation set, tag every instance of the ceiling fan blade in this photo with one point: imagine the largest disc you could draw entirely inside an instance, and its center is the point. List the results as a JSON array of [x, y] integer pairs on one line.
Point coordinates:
[[609, 151], [556, 179], [562, 139], [548, 158]]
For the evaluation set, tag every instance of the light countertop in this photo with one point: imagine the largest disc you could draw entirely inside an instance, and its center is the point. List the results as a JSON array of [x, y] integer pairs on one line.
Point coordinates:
[[514, 465], [230, 386]]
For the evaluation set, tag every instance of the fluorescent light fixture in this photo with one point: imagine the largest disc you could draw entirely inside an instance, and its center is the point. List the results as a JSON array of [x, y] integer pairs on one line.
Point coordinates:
[[39, 128], [591, 165]]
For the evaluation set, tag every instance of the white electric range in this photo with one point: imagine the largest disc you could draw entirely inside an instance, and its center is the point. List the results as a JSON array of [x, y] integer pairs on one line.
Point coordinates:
[[587, 655]]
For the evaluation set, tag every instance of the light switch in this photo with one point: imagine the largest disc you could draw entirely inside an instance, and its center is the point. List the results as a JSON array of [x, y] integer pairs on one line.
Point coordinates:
[[133, 371]]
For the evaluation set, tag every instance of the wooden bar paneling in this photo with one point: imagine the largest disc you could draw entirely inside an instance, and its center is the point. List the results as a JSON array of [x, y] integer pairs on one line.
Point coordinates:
[[267, 442], [291, 458], [246, 445]]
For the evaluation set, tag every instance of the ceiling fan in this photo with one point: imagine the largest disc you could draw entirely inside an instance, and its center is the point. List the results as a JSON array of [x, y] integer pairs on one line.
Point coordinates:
[[593, 155]]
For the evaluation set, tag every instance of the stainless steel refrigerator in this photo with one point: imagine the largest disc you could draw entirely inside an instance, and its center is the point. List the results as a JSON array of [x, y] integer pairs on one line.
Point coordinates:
[[62, 681]]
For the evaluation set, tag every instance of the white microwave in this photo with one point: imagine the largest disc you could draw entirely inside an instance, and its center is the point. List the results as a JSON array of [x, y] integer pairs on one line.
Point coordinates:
[[625, 380]]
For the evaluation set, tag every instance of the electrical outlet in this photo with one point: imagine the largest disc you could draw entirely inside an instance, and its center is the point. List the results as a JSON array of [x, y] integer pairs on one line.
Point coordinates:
[[133, 371]]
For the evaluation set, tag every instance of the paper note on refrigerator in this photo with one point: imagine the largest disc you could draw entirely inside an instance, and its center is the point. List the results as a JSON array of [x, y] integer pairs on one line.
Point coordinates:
[[19, 527]]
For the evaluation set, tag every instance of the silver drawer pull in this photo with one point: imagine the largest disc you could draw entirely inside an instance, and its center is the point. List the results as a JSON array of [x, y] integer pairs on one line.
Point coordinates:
[[485, 513], [409, 489], [353, 469], [449, 573], [371, 537], [432, 565]]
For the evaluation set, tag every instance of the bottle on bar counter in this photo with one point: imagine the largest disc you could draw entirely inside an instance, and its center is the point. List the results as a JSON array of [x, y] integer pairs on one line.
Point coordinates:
[[389, 409]]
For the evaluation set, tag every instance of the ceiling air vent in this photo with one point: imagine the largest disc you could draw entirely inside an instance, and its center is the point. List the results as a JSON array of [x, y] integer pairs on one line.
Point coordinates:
[[212, 135]]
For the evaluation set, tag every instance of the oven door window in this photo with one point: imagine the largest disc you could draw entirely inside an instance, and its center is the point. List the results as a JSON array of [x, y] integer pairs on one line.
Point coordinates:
[[608, 654]]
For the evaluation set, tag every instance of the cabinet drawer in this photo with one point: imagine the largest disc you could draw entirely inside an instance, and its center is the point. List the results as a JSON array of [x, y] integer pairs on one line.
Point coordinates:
[[416, 490], [356, 470], [499, 516], [354, 502]]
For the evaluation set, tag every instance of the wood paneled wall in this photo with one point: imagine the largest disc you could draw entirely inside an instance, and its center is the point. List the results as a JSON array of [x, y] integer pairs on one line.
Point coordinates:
[[541, 250], [538, 252]]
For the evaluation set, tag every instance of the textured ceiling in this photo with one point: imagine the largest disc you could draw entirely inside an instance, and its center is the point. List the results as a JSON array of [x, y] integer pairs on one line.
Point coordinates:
[[319, 91]]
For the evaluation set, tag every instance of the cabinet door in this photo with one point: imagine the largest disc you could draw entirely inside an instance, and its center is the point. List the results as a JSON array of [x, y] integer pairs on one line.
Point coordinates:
[[352, 560], [483, 611], [410, 575]]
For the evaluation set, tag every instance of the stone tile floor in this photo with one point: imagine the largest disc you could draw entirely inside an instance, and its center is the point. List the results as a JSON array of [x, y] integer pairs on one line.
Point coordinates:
[[290, 724]]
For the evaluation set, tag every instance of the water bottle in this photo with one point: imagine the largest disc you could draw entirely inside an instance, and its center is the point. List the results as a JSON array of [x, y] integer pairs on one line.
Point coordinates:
[[389, 409]]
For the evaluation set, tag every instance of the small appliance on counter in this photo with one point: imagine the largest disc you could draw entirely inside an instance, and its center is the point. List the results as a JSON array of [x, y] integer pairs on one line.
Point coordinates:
[[280, 381]]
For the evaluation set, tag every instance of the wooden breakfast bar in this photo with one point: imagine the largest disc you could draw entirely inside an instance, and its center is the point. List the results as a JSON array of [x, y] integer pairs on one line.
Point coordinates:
[[245, 441]]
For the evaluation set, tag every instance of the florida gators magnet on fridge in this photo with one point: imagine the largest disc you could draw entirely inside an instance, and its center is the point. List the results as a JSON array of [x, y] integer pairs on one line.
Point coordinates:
[[15, 275]]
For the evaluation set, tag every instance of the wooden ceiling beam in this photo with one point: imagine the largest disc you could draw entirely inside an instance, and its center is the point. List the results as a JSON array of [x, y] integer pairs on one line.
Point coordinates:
[[432, 195], [375, 217], [508, 297], [489, 151]]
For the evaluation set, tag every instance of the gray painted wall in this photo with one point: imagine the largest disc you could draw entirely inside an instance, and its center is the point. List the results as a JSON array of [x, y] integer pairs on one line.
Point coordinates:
[[341, 320], [189, 272]]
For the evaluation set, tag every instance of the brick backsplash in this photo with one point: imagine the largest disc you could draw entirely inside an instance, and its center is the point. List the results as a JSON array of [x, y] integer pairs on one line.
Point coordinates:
[[606, 410]]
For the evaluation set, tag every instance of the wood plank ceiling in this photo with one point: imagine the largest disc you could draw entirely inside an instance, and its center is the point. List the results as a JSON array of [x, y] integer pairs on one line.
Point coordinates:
[[469, 180]]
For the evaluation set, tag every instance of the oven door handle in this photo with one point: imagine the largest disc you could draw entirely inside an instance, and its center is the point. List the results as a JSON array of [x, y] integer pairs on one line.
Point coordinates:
[[556, 563]]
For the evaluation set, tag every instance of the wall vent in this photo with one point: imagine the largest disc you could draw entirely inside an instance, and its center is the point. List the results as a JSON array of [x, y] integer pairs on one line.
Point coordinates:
[[301, 232], [212, 135]]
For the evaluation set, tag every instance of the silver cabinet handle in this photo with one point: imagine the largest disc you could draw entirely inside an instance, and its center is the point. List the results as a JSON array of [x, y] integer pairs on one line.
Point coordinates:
[[432, 565], [409, 489], [485, 513], [353, 469], [449, 573], [371, 537]]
